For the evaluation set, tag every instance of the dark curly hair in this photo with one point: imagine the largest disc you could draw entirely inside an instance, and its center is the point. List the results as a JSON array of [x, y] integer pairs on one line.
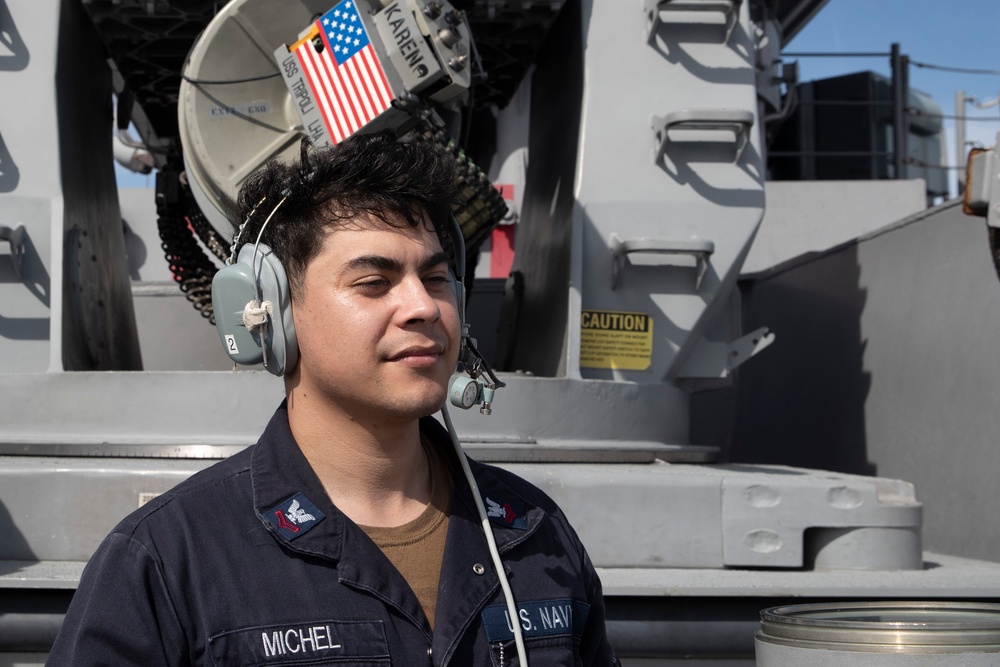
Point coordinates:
[[393, 180]]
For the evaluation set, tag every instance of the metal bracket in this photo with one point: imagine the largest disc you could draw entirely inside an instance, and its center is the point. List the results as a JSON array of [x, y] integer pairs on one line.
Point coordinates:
[[16, 237], [738, 121], [747, 346], [620, 247], [655, 10], [718, 360]]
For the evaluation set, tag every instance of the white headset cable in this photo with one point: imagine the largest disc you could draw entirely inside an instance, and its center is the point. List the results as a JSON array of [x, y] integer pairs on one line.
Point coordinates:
[[257, 312], [522, 654], [253, 262]]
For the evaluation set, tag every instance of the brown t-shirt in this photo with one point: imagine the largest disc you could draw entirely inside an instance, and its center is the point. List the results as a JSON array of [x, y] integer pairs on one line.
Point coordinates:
[[417, 548]]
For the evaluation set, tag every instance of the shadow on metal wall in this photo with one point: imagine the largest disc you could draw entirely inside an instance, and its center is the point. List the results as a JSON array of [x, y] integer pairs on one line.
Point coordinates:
[[10, 175], [13, 58], [802, 403], [14, 549], [13, 51]]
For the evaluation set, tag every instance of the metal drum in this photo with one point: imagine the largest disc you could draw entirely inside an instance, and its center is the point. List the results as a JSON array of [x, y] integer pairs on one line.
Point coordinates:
[[880, 634]]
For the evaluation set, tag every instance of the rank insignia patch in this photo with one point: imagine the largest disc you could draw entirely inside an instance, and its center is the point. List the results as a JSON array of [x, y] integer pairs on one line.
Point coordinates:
[[504, 513], [294, 517]]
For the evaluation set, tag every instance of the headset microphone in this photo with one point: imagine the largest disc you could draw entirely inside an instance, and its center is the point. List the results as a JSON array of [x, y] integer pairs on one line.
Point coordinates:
[[482, 382]]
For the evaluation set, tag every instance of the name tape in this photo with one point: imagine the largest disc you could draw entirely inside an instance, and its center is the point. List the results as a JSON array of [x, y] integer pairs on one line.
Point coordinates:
[[542, 618]]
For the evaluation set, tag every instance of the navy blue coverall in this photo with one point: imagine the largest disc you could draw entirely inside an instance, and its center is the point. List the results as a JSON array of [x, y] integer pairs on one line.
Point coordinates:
[[249, 563]]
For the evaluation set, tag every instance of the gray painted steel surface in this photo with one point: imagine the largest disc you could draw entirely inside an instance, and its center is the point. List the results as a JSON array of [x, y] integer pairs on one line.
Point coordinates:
[[689, 552], [887, 365]]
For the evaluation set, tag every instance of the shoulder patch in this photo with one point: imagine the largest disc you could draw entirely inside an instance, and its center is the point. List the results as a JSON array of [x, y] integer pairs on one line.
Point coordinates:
[[294, 517], [507, 513], [541, 618]]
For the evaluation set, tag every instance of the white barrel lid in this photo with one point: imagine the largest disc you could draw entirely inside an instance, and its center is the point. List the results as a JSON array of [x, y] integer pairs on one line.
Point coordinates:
[[906, 626]]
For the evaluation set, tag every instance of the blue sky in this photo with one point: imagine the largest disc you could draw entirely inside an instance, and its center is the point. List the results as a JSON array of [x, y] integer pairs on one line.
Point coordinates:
[[958, 33]]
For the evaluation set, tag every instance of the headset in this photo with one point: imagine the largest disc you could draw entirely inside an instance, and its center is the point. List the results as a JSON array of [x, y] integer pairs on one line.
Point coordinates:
[[253, 313]]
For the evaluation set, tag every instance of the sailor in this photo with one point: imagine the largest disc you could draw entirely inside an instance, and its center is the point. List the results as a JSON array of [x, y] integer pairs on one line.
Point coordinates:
[[349, 533]]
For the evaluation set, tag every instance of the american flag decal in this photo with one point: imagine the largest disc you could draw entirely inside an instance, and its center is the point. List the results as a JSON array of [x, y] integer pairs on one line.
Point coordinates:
[[343, 71]]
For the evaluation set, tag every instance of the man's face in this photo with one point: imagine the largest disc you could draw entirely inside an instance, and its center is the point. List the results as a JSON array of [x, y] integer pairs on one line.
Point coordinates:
[[377, 323]]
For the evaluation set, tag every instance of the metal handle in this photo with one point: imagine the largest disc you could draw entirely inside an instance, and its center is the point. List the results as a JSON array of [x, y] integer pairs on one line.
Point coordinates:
[[655, 8], [739, 121], [16, 237], [699, 248]]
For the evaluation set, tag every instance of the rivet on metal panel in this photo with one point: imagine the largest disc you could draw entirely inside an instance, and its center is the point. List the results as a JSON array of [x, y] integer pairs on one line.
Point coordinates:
[[844, 498], [762, 496], [432, 10], [763, 541]]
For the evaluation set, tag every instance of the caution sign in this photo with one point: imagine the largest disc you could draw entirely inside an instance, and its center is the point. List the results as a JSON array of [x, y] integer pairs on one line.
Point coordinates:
[[612, 339]]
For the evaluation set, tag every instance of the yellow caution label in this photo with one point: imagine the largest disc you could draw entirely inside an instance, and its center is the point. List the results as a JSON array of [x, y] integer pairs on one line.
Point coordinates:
[[613, 339]]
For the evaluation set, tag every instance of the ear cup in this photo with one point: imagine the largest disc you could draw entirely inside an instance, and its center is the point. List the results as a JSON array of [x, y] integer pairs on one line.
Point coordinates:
[[257, 271]]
